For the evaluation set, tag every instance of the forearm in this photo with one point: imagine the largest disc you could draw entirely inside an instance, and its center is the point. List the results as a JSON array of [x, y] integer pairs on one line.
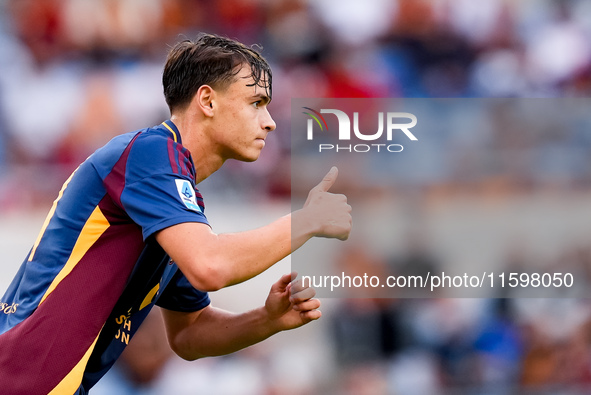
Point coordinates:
[[211, 331], [214, 261], [217, 332], [247, 254]]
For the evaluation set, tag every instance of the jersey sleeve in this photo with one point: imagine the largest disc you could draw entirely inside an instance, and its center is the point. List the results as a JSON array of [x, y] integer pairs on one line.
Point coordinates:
[[155, 203], [159, 188], [180, 295]]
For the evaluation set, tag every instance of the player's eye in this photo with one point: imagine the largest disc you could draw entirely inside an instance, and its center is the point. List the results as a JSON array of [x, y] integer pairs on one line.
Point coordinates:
[[256, 103]]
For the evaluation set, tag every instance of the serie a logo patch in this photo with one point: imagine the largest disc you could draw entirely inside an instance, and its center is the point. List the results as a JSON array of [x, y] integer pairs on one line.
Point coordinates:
[[187, 194]]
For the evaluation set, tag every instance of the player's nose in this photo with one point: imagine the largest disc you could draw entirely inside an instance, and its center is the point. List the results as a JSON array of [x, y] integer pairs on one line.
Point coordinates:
[[268, 122]]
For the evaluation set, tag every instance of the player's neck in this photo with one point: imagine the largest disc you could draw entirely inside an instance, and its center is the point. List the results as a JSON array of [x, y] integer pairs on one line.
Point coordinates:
[[203, 151]]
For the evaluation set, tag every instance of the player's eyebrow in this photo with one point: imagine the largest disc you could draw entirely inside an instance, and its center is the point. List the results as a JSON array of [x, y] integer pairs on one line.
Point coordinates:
[[264, 98]]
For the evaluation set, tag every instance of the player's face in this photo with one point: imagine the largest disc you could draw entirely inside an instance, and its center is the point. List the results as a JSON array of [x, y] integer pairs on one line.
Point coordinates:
[[243, 120]]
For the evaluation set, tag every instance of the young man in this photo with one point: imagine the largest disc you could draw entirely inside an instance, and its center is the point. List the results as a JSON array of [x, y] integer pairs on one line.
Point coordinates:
[[128, 231]]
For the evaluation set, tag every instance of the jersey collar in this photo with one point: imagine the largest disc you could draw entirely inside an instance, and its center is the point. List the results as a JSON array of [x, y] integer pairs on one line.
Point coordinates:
[[173, 130]]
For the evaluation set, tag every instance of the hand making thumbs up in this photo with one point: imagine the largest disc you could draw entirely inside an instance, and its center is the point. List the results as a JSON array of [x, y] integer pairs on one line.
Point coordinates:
[[328, 214]]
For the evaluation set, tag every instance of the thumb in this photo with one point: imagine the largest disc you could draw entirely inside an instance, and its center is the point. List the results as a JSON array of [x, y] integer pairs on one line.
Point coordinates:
[[281, 285], [328, 179]]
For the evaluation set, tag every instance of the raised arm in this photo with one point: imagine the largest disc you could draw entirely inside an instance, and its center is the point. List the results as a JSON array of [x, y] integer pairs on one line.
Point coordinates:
[[212, 261], [213, 332]]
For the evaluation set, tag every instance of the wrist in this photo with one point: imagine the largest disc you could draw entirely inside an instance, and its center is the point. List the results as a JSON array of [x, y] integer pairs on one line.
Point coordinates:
[[269, 322], [303, 224]]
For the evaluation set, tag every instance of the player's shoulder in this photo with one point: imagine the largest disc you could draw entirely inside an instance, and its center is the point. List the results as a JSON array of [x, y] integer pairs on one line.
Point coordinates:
[[147, 146], [109, 154], [156, 148], [153, 138]]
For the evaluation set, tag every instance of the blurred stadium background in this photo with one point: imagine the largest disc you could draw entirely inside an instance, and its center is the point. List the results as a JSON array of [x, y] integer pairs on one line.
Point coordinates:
[[74, 73]]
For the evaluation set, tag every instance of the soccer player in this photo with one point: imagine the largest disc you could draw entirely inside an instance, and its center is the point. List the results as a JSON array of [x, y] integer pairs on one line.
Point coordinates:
[[128, 230]]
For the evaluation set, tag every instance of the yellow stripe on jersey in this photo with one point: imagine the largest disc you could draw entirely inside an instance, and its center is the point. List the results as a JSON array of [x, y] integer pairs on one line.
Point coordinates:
[[173, 133], [72, 381], [148, 299], [94, 227], [49, 216]]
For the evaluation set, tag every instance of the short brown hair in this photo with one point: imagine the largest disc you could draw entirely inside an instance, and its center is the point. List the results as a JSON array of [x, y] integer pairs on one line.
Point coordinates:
[[209, 60]]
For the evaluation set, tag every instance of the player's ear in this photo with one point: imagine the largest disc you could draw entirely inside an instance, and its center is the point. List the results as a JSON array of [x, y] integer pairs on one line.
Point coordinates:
[[203, 100]]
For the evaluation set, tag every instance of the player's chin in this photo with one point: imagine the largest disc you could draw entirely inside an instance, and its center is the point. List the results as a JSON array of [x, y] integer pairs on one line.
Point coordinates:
[[247, 159], [250, 156]]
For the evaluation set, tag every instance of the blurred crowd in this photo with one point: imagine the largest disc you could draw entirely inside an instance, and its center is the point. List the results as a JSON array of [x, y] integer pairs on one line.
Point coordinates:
[[499, 346], [75, 73]]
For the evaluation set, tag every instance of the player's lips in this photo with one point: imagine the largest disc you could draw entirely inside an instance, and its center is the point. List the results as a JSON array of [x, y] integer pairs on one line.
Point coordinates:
[[261, 139]]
